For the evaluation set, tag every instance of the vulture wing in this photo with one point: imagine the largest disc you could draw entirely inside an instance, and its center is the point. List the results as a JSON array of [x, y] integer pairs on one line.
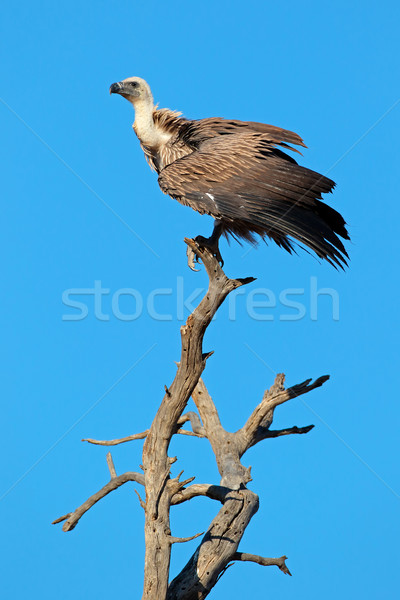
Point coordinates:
[[244, 180], [195, 132]]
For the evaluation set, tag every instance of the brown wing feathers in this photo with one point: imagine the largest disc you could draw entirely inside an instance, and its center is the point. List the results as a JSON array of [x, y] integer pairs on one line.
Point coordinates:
[[194, 132], [236, 174]]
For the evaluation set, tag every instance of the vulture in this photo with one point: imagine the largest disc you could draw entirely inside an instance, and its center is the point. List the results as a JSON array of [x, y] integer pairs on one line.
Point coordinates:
[[238, 172]]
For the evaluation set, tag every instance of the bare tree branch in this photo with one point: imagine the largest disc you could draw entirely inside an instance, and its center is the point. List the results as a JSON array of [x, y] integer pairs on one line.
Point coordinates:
[[61, 519], [71, 519], [141, 436], [215, 492], [141, 501], [225, 445], [111, 466], [274, 433], [128, 438], [195, 422], [265, 562], [219, 545], [262, 415], [181, 540]]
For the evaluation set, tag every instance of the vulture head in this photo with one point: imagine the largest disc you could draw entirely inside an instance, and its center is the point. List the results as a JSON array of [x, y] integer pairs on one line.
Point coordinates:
[[135, 89]]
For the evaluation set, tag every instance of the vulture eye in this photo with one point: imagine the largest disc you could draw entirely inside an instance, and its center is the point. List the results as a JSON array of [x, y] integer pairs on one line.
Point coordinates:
[[134, 83]]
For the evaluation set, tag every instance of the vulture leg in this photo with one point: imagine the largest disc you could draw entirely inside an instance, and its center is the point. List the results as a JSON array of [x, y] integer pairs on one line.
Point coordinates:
[[211, 243]]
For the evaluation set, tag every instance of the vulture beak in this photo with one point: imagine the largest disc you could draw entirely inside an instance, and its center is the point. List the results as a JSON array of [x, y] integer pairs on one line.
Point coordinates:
[[116, 88]]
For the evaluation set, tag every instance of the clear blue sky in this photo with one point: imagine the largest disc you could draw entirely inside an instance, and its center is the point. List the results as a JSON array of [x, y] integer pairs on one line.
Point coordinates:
[[77, 200]]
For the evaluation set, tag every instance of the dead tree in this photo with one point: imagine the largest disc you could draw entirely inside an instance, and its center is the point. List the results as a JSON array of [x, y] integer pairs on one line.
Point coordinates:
[[219, 545]]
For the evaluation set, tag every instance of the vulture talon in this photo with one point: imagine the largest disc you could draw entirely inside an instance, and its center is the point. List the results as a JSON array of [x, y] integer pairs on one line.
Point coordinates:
[[191, 258], [210, 244]]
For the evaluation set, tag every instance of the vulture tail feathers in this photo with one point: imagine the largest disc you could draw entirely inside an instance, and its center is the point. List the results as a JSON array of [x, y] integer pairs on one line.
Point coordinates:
[[315, 228], [333, 218]]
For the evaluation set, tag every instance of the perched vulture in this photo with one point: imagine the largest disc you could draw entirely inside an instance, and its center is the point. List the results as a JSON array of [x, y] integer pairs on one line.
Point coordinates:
[[236, 172]]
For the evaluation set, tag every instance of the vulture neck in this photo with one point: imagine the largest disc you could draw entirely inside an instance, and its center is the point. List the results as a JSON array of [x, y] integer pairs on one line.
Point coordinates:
[[148, 133]]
